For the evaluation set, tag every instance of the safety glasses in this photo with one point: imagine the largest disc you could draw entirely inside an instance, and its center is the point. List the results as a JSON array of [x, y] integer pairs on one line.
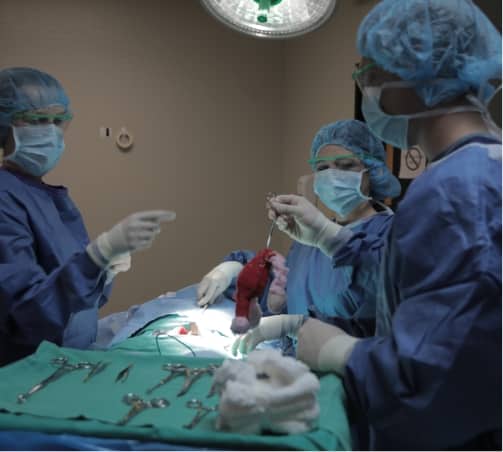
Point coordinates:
[[42, 118], [372, 75], [345, 162], [361, 74]]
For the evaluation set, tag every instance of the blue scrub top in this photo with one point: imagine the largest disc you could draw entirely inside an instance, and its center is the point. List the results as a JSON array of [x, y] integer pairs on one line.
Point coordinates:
[[49, 287], [345, 286], [431, 378]]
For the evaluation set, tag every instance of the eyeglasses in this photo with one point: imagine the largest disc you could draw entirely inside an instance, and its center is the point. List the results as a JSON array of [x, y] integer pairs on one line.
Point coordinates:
[[372, 75], [361, 75], [344, 162], [42, 118]]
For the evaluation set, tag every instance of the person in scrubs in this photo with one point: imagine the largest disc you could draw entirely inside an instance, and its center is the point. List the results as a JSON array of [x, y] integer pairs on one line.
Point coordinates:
[[53, 279], [430, 378], [351, 179]]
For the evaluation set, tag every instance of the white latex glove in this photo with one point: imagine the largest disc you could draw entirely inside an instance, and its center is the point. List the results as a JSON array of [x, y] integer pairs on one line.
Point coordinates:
[[216, 282], [134, 233], [303, 222], [121, 263], [324, 347], [273, 327]]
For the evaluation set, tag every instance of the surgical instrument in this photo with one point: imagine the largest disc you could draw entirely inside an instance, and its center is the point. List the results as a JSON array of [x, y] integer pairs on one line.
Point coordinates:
[[193, 374], [269, 236], [138, 405], [124, 374], [273, 223], [63, 368], [174, 370], [100, 366], [202, 411]]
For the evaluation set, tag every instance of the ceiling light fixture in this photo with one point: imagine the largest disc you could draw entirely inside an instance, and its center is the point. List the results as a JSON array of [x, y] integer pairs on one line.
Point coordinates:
[[271, 18]]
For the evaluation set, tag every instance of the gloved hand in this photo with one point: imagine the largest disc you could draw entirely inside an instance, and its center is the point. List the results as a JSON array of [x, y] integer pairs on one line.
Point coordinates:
[[121, 263], [324, 347], [273, 327], [134, 233], [303, 222], [216, 281]]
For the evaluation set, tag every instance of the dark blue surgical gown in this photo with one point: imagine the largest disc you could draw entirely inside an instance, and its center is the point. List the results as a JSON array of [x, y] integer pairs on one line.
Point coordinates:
[[49, 287], [431, 378], [345, 286]]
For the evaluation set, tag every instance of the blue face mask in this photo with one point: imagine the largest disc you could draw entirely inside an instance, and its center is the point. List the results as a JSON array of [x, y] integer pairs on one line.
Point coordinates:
[[38, 148], [392, 129], [340, 190]]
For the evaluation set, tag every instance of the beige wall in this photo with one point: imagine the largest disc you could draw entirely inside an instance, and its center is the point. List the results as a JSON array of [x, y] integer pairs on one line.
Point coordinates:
[[318, 84], [219, 119]]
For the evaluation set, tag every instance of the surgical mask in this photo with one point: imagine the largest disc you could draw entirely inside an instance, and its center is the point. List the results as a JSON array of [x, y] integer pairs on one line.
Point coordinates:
[[37, 148], [394, 129], [340, 190]]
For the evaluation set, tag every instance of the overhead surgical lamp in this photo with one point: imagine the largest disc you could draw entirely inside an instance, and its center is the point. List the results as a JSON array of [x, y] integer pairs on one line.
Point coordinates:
[[271, 18]]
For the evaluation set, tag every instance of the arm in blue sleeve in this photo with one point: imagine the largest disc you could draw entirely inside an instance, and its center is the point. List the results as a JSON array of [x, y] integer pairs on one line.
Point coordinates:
[[435, 381], [241, 256], [35, 305], [358, 327], [365, 242]]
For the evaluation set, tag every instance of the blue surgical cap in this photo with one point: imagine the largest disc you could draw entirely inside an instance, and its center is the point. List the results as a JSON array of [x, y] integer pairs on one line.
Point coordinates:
[[25, 89], [427, 40], [356, 137]]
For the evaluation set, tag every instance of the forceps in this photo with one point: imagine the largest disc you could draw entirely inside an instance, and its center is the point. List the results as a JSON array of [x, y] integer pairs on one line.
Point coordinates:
[[268, 241], [192, 375], [174, 370], [100, 366], [63, 368], [273, 223], [201, 412], [123, 374], [138, 405]]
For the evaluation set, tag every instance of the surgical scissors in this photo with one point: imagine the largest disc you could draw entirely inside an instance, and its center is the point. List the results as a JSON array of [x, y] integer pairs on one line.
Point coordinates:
[[63, 368], [202, 411]]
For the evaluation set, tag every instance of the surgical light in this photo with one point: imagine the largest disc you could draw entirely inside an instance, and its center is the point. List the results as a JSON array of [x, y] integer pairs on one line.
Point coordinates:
[[271, 18]]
